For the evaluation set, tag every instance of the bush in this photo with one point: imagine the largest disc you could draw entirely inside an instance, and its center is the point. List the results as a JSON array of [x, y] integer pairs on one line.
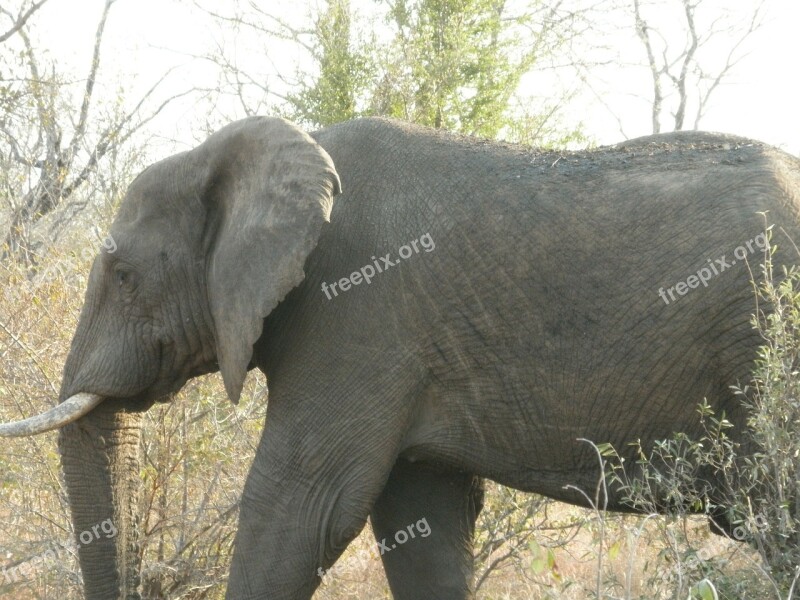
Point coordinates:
[[756, 475]]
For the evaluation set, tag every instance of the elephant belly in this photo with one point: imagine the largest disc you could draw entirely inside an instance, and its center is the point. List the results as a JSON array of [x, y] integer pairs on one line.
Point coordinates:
[[528, 427]]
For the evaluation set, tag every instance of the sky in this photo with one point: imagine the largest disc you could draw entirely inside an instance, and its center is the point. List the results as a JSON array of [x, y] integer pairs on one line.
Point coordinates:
[[145, 37]]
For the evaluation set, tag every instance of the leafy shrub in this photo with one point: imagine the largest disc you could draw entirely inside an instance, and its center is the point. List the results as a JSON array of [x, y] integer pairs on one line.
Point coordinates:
[[756, 475]]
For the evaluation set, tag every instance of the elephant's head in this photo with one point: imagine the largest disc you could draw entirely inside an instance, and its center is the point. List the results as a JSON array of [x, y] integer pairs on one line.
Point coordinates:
[[208, 242]]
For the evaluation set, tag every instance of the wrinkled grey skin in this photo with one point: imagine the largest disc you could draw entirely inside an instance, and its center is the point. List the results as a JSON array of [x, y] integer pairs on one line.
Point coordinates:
[[535, 321]]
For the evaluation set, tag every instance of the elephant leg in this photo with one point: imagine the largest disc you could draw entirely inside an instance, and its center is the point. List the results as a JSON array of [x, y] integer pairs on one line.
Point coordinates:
[[424, 521], [320, 466], [296, 519]]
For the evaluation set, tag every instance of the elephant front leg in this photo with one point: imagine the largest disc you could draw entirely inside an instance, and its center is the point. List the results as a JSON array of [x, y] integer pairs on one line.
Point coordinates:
[[424, 522], [302, 504]]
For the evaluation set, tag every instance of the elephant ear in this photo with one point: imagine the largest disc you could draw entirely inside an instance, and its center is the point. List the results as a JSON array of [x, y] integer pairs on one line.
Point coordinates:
[[267, 188]]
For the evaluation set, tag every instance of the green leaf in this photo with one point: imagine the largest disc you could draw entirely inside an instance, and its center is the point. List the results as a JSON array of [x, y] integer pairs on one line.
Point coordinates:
[[538, 558], [703, 590], [613, 551], [606, 449]]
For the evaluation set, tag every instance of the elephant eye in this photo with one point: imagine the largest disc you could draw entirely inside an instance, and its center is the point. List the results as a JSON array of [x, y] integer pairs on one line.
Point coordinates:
[[123, 277]]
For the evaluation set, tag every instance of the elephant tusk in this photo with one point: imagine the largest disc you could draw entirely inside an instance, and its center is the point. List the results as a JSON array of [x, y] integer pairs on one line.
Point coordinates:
[[72, 409]]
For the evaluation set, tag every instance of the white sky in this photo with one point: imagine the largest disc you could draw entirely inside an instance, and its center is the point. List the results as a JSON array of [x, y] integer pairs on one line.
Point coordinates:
[[144, 37]]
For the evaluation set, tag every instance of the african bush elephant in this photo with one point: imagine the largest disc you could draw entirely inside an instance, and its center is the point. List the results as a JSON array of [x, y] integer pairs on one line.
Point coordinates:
[[461, 310]]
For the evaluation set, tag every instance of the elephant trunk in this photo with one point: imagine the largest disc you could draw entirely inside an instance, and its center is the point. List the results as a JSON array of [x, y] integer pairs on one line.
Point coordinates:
[[100, 456]]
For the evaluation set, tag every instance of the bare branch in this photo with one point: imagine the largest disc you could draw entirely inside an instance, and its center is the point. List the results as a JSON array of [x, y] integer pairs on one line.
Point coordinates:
[[283, 32], [21, 19], [80, 128], [683, 71], [47, 124], [642, 30], [113, 137], [688, 57], [584, 76], [730, 63]]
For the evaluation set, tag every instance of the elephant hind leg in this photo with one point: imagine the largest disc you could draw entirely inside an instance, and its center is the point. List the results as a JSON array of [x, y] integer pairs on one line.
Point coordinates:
[[424, 522]]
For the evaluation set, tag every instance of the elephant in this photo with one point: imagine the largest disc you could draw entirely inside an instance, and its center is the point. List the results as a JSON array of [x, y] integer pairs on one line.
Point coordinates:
[[430, 311]]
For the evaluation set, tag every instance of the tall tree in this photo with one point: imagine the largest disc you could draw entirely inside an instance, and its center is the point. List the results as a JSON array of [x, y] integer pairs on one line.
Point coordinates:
[[453, 64], [344, 70]]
